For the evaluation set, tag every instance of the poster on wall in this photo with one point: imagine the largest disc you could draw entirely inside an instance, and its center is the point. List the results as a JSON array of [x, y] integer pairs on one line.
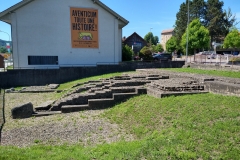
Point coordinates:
[[84, 27]]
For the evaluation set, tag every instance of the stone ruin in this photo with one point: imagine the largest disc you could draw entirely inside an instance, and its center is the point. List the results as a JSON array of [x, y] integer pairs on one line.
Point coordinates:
[[105, 93]]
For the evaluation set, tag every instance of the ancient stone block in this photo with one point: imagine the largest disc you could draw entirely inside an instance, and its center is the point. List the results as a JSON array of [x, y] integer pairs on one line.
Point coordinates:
[[22, 111]]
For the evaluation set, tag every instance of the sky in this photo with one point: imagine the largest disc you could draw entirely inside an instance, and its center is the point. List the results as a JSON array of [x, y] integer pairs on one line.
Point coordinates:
[[143, 15]]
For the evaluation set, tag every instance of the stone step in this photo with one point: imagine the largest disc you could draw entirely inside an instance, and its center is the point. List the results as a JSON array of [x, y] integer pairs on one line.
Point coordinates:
[[74, 108], [47, 113], [109, 102]]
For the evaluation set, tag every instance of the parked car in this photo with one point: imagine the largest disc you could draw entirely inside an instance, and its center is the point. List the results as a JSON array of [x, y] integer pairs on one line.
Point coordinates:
[[235, 53], [212, 55], [162, 56], [227, 54]]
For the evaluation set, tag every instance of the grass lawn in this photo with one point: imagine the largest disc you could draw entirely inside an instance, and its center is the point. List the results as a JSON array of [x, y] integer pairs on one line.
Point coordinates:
[[231, 74], [200, 126]]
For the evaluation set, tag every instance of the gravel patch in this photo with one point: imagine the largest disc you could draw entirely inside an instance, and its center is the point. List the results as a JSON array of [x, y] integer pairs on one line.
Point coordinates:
[[86, 128], [84, 131]]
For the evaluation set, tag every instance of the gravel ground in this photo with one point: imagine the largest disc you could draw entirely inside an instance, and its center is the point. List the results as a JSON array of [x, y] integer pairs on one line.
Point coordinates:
[[87, 128]]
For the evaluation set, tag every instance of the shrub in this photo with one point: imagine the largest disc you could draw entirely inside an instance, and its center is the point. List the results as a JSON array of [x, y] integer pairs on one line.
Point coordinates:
[[146, 53], [127, 53], [234, 59]]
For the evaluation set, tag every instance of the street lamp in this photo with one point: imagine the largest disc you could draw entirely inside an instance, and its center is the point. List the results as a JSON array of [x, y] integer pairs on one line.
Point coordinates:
[[7, 34], [151, 38], [187, 34]]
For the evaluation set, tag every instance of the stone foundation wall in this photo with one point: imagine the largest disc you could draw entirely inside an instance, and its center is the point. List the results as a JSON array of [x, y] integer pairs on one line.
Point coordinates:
[[33, 77]]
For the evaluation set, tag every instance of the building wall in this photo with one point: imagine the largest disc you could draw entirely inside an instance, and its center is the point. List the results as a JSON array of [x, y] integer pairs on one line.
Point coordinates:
[[164, 38], [42, 28]]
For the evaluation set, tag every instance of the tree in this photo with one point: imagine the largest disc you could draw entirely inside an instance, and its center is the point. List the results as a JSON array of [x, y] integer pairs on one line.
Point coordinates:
[[211, 15], [198, 36], [149, 38], [232, 40], [159, 48], [230, 21], [156, 40], [214, 20], [127, 53], [196, 10], [172, 44], [3, 50], [181, 21]]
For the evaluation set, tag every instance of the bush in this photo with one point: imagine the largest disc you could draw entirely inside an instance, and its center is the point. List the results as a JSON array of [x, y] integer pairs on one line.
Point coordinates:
[[146, 53], [234, 59], [127, 53]]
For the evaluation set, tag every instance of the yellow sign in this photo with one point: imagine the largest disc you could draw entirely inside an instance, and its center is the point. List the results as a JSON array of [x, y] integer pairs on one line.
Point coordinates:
[[84, 27]]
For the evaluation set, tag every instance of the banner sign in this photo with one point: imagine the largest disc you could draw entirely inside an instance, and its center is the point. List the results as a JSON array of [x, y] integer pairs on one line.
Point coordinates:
[[84, 27]]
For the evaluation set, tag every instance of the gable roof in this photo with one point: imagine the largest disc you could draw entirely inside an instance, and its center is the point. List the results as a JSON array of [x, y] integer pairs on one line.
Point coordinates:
[[168, 31], [133, 35], [25, 2]]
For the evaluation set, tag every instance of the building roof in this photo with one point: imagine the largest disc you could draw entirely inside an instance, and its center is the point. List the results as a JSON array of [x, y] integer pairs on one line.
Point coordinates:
[[168, 31], [132, 35], [25, 2]]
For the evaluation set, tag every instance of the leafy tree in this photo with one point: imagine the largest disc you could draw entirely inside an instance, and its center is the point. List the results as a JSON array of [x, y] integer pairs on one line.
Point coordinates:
[[127, 53], [159, 48], [172, 44], [149, 38], [232, 40], [156, 48], [3, 50], [198, 36], [146, 53], [156, 40], [211, 15]]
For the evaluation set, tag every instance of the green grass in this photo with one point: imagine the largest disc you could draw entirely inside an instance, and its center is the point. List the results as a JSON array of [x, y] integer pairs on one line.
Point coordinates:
[[232, 74], [197, 126], [200, 126], [10, 67]]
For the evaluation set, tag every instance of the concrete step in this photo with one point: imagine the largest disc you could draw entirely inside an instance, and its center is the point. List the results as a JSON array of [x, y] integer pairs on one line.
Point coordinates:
[[74, 108]]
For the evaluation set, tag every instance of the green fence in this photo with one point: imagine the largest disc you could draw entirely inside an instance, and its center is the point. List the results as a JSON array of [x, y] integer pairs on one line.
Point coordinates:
[[2, 116]]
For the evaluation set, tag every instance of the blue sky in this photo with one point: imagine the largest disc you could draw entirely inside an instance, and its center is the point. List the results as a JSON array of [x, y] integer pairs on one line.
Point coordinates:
[[141, 14]]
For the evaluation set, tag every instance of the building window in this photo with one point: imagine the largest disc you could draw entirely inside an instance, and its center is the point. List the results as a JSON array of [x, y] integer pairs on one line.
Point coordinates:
[[42, 60]]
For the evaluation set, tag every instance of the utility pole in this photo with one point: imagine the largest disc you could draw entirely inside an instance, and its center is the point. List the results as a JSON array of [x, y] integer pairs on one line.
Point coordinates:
[[187, 35]]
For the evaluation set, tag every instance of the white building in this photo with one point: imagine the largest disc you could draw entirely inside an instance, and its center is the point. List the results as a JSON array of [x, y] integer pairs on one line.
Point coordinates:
[[53, 33]]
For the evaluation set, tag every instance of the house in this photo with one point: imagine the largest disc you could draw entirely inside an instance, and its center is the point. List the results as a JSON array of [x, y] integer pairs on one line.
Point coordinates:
[[53, 33], [165, 36], [135, 41], [1, 61]]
